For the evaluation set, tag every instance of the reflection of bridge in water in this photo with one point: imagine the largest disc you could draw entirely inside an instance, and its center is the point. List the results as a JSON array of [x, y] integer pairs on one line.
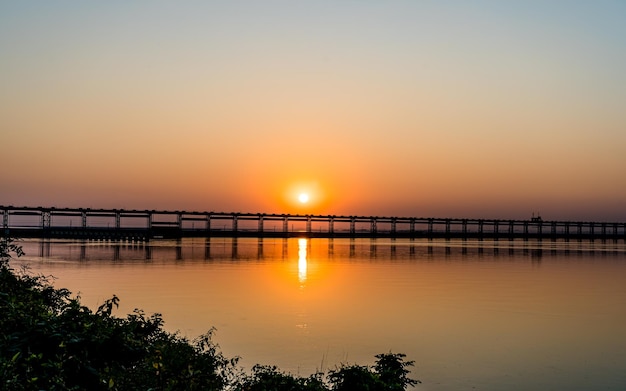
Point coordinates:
[[233, 249], [140, 225]]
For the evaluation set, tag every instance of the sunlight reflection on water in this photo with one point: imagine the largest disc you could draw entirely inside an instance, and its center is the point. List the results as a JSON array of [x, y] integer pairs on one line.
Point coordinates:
[[302, 262]]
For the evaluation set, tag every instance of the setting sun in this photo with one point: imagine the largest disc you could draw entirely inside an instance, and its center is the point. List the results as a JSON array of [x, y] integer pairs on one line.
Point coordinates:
[[303, 195]]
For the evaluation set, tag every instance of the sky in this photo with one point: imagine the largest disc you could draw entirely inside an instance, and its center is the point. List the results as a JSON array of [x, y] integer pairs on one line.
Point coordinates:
[[482, 109]]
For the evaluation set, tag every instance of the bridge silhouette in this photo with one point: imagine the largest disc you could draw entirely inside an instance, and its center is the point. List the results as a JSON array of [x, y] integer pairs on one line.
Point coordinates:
[[141, 225]]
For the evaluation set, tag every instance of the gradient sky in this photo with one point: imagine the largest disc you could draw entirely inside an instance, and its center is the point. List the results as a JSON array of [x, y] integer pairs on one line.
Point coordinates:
[[492, 109]]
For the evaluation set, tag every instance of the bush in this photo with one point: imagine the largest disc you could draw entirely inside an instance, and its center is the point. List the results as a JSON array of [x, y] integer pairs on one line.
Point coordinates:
[[51, 342]]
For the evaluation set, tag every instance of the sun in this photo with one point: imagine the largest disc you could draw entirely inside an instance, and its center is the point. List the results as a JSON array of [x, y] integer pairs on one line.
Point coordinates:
[[303, 198]]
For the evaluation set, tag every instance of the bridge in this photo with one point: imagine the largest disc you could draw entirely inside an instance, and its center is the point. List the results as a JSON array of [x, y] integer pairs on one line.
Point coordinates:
[[142, 225]]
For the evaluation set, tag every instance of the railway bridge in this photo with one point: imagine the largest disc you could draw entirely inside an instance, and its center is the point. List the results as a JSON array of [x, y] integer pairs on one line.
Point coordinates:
[[140, 225]]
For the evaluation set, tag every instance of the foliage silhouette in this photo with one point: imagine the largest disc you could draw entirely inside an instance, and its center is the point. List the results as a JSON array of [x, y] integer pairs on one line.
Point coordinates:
[[50, 341]]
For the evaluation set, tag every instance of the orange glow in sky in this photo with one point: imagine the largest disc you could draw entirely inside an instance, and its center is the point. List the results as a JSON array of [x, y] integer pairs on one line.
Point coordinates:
[[370, 108]]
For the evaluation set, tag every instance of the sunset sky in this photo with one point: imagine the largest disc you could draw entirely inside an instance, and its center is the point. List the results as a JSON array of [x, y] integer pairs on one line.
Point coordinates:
[[493, 109]]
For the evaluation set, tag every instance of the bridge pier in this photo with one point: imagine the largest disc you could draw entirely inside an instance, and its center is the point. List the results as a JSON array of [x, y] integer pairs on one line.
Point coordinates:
[[46, 220], [5, 222], [149, 219]]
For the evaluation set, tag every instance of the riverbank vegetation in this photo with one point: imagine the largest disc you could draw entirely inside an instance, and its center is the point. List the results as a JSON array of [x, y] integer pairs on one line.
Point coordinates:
[[49, 341]]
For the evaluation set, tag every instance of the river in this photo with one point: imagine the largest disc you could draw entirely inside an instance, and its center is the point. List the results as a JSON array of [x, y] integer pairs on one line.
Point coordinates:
[[485, 315]]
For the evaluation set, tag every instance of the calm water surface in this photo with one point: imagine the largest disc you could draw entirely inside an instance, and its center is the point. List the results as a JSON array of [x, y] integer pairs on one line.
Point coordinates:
[[472, 315]]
